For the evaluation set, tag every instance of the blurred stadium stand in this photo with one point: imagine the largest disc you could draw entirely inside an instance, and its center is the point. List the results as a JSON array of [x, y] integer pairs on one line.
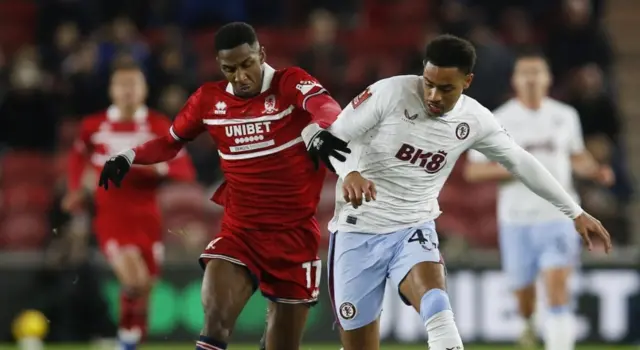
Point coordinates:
[[54, 61]]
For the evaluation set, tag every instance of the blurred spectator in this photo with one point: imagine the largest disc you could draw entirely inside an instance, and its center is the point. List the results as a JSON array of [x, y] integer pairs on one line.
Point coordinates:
[[454, 18], [601, 124], [324, 58], [196, 14], [491, 82], [597, 110], [65, 41], [414, 64], [577, 40], [28, 112], [123, 39], [87, 88], [170, 68], [517, 29], [171, 100], [3, 75]]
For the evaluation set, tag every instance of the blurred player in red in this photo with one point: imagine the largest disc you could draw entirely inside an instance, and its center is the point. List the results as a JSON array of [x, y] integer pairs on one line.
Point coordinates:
[[127, 222], [261, 119]]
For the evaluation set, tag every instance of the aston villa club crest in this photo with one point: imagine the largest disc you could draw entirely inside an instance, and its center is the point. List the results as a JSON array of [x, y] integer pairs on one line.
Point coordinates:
[[462, 131]]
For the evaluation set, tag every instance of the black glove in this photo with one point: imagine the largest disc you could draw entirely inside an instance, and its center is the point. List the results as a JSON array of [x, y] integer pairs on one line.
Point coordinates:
[[114, 169], [324, 145]]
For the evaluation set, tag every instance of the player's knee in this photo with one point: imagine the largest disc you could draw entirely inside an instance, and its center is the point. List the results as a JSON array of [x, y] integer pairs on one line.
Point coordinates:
[[217, 323], [433, 302]]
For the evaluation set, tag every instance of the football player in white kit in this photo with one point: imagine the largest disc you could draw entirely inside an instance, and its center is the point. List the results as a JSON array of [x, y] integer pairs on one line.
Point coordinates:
[[406, 133], [536, 238]]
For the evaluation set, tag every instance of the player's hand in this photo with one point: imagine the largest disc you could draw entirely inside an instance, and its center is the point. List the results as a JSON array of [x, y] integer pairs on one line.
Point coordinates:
[[324, 145], [606, 176], [586, 225], [114, 170], [355, 186]]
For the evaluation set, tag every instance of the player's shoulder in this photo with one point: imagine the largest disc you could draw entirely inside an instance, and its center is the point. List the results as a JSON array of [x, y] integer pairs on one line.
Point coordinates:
[[212, 87], [559, 107], [93, 121], [394, 90], [469, 108], [398, 83]]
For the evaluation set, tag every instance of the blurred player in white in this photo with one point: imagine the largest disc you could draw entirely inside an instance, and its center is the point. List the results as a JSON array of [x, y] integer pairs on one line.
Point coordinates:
[[535, 237], [405, 134]]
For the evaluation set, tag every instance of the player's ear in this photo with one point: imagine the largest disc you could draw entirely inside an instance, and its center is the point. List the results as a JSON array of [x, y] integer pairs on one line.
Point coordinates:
[[263, 55], [467, 80]]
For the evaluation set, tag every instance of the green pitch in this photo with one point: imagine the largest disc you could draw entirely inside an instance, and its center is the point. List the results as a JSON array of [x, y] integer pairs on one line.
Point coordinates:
[[182, 346]]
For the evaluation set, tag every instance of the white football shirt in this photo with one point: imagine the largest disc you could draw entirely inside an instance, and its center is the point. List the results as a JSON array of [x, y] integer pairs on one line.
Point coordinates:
[[409, 155], [552, 134]]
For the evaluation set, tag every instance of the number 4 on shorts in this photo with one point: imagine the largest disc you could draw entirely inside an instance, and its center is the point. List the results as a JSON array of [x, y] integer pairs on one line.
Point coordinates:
[[419, 237]]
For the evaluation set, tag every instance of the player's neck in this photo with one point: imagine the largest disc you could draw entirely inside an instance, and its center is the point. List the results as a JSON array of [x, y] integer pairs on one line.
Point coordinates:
[[127, 113], [531, 103]]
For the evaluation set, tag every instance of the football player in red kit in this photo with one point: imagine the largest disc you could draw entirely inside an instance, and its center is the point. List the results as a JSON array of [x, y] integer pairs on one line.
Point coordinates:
[[269, 127], [127, 222]]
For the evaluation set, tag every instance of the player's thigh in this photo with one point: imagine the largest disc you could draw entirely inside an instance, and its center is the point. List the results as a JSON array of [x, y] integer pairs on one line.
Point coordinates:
[[290, 269], [418, 266], [518, 255], [358, 266], [230, 279], [559, 245], [560, 256], [285, 325], [363, 338], [127, 262]]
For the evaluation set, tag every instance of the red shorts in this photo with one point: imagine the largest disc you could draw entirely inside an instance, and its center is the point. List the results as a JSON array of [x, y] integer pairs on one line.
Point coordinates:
[[115, 234], [284, 264]]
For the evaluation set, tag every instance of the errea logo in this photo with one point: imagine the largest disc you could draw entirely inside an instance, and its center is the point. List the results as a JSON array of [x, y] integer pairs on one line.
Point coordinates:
[[221, 108]]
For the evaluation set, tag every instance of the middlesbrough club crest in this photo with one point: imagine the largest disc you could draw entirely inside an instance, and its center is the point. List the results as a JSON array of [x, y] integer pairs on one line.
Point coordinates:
[[270, 104]]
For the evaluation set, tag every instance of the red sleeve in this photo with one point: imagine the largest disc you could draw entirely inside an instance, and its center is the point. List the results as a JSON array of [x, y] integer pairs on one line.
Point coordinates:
[[188, 123], [186, 126], [78, 156], [181, 168], [311, 96]]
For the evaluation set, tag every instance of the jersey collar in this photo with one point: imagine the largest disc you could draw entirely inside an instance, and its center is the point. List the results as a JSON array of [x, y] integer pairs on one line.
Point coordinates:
[[267, 76], [114, 115]]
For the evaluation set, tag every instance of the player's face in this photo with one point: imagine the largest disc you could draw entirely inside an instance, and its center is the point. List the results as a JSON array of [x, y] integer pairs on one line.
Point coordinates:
[[443, 87], [242, 66], [128, 88], [531, 78]]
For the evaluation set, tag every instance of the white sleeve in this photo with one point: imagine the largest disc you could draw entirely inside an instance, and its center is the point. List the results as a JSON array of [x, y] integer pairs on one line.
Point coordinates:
[[474, 156], [576, 140], [495, 143], [362, 114]]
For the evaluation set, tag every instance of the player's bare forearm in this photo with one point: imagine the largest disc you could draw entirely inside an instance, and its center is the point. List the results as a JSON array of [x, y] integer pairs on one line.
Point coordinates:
[[585, 166], [161, 149], [481, 172]]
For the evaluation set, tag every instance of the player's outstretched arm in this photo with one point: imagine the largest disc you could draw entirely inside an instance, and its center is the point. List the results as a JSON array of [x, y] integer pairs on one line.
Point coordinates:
[[480, 169], [186, 126], [498, 146]]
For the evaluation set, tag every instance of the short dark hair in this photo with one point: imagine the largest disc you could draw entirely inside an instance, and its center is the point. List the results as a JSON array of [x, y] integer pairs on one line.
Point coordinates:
[[233, 35], [530, 52], [451, 51], [125, 63]]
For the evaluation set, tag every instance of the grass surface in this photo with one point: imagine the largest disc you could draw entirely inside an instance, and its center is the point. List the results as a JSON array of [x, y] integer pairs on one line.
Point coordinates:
[[183, 346]]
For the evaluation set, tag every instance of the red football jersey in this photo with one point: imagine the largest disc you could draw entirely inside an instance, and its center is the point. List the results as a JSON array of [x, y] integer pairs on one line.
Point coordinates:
[[103, 135], [271, 182]]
